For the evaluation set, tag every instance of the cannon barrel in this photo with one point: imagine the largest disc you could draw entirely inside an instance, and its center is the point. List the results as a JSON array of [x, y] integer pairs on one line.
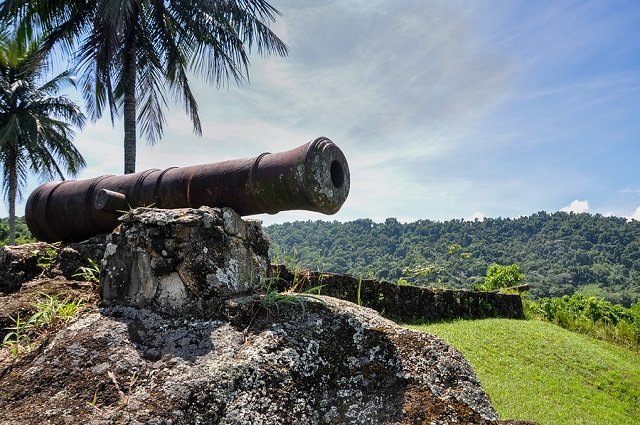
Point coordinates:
[[314, 177]]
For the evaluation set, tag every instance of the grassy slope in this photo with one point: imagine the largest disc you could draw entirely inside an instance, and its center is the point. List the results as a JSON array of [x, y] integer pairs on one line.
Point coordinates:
[[538, 371]]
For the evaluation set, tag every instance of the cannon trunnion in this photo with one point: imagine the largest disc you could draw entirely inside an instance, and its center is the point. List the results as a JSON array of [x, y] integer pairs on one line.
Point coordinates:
[[314, 177]]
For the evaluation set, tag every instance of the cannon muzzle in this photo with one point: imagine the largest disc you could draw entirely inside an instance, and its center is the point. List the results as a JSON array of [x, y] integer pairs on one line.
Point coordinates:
[[314, 177]]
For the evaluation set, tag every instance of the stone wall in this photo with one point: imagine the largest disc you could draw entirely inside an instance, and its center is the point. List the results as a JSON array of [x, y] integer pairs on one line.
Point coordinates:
[[403, 303], [23, 263]]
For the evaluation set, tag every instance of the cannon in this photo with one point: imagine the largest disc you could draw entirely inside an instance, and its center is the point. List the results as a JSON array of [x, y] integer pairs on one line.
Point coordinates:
[[313, 177]]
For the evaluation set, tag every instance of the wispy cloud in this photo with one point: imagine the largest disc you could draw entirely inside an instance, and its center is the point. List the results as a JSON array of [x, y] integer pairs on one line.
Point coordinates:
[[373, 72]]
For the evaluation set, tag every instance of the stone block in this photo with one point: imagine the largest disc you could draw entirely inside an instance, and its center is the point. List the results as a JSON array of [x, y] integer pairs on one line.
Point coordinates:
[[182, 262]]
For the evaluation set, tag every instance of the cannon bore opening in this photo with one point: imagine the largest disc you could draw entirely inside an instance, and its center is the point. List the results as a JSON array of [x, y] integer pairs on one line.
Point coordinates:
[[337, 174]]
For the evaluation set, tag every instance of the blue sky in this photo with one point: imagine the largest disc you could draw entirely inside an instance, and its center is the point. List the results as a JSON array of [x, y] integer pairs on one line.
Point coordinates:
[[444, 109]]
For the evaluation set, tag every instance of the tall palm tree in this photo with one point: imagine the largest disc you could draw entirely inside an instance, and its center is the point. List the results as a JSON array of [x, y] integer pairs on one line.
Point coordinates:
[[128, 50], [35, 123]]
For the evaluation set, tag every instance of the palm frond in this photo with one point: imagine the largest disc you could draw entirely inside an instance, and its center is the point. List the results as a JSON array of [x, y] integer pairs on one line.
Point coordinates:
[[171, 38], [35, 136]]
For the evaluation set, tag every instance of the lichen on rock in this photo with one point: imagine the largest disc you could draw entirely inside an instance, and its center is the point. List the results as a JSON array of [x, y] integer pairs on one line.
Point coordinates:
[[339, 364], [182, 261]]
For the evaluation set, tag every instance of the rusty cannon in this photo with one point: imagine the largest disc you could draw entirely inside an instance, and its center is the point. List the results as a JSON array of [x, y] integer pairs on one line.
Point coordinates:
[[313, 177]]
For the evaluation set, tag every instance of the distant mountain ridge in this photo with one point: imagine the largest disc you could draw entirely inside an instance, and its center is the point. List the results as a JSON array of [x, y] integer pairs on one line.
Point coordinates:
[[559, 253]]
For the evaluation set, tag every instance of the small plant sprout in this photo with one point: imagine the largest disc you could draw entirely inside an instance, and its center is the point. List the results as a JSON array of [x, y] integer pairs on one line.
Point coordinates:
[[45, 257], [90, 273], [315, 290], [94, 400], [124, 398], [50, 310], [273, 299], [18, 339]]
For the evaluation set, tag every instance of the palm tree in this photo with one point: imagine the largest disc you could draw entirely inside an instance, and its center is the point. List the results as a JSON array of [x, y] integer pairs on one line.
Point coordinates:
[[35, 123], [128, 50]]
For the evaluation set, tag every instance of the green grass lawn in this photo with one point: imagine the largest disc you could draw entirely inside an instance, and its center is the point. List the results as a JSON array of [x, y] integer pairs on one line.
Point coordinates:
[[538, 371]]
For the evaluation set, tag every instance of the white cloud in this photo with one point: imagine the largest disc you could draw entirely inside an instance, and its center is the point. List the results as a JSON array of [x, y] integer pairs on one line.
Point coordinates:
[[577, 206], [478, 215], [636, 214]]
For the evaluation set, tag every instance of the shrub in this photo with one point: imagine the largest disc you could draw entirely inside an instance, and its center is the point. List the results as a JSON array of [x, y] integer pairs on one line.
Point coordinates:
[[590, 315], [499, 276]]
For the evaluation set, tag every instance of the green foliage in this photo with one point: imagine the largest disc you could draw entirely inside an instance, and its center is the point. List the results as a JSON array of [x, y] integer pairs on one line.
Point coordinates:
[[272, 299], [403, 282], [559, 253], [534, 370], [23, 235], [45, 257], [90, 273], [49, 311], [431, 272], [4, 233], [288, 259], [129, 56], [18, 339], [591, 315], [36, 124], [500, 277]]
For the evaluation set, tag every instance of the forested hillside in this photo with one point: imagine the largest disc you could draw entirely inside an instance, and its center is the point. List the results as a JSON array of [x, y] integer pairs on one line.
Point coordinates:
[[559, 253]]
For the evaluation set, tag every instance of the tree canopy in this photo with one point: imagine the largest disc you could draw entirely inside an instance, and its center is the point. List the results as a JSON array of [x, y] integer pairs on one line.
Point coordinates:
[[558, 253]]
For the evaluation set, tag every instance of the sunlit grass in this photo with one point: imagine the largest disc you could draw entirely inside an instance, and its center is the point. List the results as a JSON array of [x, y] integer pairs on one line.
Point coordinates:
[[49, 312], [538, 371]]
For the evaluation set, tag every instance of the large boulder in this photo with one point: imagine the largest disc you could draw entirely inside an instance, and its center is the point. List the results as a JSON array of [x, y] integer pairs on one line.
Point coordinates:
[[329, 363], [191, 332]]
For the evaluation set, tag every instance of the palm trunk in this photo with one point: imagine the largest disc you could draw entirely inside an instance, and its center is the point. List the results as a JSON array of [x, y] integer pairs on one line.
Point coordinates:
[[130, 104], [12, 194]]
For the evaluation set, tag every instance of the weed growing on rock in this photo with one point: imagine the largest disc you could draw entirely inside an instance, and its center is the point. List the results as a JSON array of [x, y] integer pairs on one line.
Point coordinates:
[[124, 398], [50, 311], [273, 299], [18, 339], [45, 257], [89, 273], [290, 261]]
